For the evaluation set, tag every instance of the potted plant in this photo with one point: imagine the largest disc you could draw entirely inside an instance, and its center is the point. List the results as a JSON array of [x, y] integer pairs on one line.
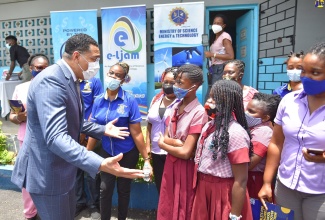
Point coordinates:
[[6, 155]]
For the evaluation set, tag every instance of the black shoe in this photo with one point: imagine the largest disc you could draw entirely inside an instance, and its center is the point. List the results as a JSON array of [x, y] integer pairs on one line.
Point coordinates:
[[33, 218], [94, 213], [79, 209]]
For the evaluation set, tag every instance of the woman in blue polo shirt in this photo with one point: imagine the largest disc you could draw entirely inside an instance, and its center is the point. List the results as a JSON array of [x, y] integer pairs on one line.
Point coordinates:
[[116, 103]]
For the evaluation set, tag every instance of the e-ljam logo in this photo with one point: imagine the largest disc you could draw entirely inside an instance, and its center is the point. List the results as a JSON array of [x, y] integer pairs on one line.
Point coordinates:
[[125, 37]]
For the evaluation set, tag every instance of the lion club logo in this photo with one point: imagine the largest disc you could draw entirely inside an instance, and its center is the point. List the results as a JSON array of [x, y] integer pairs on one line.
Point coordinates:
[[126, 36], [178, 16]]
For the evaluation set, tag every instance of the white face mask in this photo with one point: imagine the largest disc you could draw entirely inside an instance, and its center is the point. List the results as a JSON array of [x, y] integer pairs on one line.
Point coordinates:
[[93, 68], [8, 46], [216, 28], [294, 75]]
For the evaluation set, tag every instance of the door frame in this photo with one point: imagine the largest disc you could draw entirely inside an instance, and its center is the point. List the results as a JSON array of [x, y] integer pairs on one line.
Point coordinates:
[[255, 8]]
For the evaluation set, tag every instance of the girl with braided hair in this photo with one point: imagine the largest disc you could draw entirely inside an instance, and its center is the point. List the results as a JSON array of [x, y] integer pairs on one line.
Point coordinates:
[[222, 158], [294, 66], [184, 128], [261, 110], [234, 70], [300, 126]]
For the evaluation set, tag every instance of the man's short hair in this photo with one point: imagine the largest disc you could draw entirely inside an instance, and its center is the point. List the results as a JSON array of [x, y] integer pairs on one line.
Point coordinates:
[[11, 37], [79, 42]]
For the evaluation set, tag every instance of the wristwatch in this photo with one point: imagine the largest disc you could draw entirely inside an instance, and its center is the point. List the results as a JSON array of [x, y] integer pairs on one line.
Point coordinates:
[[234, 217]]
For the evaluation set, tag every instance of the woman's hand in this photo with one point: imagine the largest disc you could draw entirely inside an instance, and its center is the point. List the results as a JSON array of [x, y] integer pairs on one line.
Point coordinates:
[[208, 54], [265, 194], [161, 140], [147, 164], [312, 157], [22, 116], [178, 143], [116, 132]]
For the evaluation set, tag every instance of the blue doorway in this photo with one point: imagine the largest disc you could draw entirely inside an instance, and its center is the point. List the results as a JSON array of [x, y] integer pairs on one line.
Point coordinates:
[[243, 29]]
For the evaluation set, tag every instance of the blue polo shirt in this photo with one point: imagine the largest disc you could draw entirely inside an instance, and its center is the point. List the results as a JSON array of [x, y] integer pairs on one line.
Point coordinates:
[[126, 109], [90, 89], [282, 90]]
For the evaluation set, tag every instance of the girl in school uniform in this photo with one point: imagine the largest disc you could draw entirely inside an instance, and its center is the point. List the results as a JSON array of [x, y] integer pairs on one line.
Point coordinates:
[[222, 158], [260, 111], [185, 124]]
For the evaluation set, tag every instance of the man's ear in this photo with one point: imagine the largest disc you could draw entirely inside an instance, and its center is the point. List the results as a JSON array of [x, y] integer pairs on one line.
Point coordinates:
[[75, 55]]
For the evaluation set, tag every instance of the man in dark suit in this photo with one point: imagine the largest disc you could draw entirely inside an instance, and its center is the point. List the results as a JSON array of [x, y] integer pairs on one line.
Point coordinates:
[[19, 54], [47, 163]]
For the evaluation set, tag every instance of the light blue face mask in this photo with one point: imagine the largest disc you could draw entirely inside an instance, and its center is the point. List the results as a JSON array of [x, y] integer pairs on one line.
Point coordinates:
[[112, 84], [180, 93], [294, 75], [8, 46]]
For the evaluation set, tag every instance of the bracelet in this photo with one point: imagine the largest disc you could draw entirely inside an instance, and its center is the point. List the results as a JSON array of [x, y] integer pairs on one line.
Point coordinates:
[[234, 217], [16, 117], [214, 55], [148, 158]]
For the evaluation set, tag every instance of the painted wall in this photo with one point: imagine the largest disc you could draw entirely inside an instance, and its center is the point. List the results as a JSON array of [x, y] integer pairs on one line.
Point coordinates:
[[309, 25], [277, 21]]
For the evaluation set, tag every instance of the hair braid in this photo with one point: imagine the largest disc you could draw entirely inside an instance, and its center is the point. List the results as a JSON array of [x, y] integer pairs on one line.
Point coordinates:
[[193, 73], [318, 49], [238, 63], [292, 54], [228, 96]]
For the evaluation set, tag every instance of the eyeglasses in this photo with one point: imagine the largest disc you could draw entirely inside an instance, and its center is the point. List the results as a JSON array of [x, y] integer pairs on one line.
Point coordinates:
[[96, 59], [40, 67]]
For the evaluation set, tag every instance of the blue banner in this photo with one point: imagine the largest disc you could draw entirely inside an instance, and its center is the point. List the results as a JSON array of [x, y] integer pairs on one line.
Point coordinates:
[[64, 24], [124, 40]]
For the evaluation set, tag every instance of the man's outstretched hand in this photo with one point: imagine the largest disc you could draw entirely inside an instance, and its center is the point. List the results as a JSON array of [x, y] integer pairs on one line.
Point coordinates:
[[116, 132], [111, 165]]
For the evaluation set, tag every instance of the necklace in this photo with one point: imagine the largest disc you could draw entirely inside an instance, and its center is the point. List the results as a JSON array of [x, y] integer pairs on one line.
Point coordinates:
[[167, 98]]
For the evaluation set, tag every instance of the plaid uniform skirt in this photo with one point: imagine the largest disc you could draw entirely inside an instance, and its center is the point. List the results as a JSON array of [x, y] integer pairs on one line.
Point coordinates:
[[212, 199]]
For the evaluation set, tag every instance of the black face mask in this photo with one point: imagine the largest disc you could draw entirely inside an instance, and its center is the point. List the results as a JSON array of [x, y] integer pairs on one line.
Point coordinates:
[[168, 89]]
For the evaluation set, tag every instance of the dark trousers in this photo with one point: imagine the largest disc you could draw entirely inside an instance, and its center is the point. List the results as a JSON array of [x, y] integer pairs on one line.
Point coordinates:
[[80, 188], [107, 185], [216, 72], [158, 162]]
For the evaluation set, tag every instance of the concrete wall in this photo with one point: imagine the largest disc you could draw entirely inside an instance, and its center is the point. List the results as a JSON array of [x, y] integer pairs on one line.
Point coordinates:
[[277, 21], [43, 7], [309, 25]]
